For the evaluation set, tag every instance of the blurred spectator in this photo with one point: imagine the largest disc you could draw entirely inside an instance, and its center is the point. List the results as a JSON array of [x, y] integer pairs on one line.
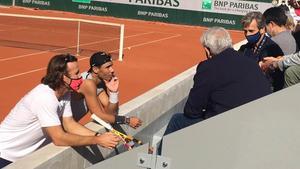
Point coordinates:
[[276, 20], [296, 35]]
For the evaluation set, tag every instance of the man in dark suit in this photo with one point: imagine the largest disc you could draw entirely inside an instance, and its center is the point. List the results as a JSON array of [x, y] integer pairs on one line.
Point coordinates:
[[222, 82]]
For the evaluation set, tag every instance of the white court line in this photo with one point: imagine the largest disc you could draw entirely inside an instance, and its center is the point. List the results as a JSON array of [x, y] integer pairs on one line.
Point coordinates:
[[137, 45], [24, 73], [141, 44], [91, 43], [17, 29], [46, 51], [31, 71]]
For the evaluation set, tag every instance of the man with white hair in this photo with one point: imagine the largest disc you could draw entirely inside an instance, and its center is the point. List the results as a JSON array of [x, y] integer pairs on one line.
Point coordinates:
[[222, 82]]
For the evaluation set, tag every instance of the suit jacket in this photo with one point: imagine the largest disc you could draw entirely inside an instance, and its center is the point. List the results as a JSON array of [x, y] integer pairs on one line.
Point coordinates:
[[267, 47], [223, 82]]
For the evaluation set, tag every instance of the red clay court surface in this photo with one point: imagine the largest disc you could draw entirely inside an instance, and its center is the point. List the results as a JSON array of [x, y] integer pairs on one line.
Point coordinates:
[[157, 53]]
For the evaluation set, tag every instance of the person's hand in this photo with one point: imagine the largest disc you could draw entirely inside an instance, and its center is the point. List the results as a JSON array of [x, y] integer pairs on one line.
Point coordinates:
[[268, 63], [113, 84], [135, 122], [108, 140], [265, 65], [272, 62]]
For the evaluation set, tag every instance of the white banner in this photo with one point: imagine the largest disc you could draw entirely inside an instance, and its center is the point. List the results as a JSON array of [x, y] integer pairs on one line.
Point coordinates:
[[216, 6]]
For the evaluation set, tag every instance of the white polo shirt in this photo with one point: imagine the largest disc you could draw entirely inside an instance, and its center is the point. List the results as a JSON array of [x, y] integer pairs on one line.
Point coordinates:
[[21, 131]]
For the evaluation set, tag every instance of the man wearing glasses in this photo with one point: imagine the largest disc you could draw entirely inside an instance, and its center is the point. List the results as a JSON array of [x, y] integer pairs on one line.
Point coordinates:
[[36, 117]]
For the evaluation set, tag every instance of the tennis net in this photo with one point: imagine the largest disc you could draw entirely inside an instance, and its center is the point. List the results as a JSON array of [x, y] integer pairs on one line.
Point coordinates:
[[61, 35]]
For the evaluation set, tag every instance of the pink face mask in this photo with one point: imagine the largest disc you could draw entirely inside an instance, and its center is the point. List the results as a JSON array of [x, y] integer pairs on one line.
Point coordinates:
[[75, 83]]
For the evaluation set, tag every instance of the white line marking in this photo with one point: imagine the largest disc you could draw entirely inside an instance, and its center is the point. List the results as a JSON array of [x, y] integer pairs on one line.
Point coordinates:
[[46, 51], [141, 44], [32, 71], [24, 73], [22, 56], [137, 45], [12, 30]]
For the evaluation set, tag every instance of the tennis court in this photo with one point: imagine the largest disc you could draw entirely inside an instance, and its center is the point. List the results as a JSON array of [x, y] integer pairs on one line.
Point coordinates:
[[153, 52]]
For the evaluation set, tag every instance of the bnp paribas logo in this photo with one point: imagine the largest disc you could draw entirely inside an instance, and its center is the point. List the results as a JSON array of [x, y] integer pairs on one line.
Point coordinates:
[[206, 4]]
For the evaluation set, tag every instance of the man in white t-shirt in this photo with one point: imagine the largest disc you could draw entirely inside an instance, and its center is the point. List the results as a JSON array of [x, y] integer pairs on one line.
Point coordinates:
[[45, 114]]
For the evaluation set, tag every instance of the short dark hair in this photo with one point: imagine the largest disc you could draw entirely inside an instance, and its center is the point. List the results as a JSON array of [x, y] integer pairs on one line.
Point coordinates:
[[249, 17], [276, 15], [57, 67], [98, 59]]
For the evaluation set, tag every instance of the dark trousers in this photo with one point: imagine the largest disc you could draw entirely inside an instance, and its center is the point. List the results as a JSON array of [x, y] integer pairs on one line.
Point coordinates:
[[276, 78], [4, 162], [177, 122]]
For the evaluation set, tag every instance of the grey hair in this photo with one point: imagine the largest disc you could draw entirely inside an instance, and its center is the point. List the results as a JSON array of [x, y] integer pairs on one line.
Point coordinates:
[[217, 39], [249, 17]]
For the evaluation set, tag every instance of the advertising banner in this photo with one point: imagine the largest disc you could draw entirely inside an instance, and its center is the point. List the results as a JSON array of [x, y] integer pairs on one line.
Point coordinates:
[[226, 13], [216, 6], [5, 2]]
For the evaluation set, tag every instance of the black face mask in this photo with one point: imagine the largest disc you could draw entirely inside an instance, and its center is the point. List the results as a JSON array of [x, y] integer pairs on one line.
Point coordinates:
[[252, 39]]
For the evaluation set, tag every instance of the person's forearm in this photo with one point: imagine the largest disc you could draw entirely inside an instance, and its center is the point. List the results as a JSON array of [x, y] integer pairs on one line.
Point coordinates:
[[289, 60], [110, 118], [61, 138], [73, 127], [112, 108], [68, 139]]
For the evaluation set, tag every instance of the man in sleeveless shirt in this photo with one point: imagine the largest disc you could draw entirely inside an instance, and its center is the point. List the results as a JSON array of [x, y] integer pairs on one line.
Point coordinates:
[[99, 92]]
